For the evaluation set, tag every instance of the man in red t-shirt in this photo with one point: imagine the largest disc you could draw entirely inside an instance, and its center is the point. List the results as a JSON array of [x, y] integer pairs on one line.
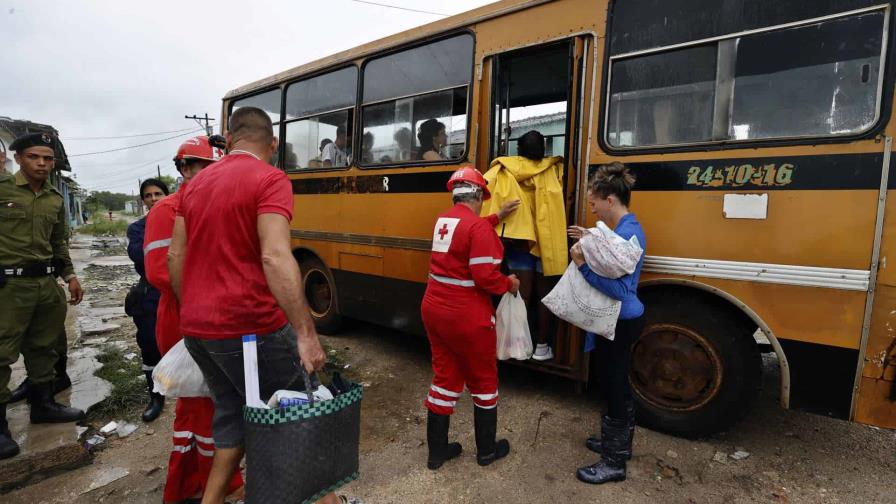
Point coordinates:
[[233, 272]]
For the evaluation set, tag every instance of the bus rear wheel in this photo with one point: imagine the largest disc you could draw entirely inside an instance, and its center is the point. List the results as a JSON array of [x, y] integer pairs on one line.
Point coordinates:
[[696, 368], [320, 291]]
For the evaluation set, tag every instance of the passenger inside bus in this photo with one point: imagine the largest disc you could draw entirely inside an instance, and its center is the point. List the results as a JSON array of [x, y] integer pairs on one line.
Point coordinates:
[[432, 138], [535, 235], [316, 162], [333, 154], [367, 147]]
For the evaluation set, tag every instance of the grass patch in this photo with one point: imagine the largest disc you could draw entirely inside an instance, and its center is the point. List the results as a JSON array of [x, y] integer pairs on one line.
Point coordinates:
[[128, 396], [100, 226]]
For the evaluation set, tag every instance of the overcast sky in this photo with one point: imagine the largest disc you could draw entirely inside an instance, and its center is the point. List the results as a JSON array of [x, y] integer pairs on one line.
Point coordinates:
[[109, 68]]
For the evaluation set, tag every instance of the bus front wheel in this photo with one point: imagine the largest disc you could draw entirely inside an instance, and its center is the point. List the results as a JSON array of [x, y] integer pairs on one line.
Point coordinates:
[[320, 291], [696, 368]]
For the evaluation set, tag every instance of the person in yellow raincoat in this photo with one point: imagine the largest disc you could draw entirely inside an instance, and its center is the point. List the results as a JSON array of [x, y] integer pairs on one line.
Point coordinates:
[[535, 236]]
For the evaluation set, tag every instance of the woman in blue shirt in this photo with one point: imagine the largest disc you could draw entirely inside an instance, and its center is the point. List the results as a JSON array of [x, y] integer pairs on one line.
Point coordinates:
[[609, 194]]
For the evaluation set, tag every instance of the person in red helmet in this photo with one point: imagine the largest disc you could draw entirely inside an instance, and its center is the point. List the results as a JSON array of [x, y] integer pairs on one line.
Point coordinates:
[[464, 275], [194, 446]]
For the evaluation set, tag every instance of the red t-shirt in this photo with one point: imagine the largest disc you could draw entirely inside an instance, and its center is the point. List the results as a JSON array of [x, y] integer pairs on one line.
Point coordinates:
[[224, 293]]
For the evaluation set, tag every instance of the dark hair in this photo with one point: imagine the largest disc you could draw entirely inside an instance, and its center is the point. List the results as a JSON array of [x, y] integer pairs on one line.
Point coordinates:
[[252, 124], [531, 145], [153, 182], [324, 142], [613, 178], [427, 131], [340, 131]]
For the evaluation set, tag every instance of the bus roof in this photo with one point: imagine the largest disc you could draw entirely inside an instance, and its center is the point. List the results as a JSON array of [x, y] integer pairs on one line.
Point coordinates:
[[489, 11]]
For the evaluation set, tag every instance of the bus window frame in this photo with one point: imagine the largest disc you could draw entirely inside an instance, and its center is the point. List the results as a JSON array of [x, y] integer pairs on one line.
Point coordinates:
[[280, 126], [884, 99], [354, 108], [359, 119]]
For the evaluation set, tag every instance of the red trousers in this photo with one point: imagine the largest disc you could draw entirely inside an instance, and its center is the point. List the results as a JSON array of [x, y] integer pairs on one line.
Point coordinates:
[[462, 338]]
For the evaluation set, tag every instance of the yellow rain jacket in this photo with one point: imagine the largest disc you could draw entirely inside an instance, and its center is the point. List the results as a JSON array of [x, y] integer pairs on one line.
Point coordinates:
[[541, 217]]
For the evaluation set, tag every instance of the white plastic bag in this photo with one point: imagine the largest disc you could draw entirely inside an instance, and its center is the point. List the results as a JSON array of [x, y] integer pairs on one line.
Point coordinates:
[[177, 374], [512, 325], [608, 254]]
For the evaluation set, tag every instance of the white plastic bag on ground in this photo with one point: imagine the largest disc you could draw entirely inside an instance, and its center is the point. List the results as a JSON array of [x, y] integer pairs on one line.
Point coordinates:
[[512, 326], [574, 300], [177, 374]]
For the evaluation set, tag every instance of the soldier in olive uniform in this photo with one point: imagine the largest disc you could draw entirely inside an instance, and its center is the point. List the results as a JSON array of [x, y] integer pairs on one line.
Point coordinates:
[[33, 248]]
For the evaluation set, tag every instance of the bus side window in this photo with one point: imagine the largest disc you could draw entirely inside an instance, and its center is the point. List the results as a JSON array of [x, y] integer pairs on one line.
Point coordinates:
[[415, 103], [319, 119], [268, 101]]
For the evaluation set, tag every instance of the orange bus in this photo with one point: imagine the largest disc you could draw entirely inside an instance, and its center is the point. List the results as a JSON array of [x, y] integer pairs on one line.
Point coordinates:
[[760, 132]]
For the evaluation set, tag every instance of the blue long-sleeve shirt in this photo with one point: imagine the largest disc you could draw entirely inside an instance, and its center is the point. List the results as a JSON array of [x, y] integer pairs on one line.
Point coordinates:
[[136, 232], [624, 288]]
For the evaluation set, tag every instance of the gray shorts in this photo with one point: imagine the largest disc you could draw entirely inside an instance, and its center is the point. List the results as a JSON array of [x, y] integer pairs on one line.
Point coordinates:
[[221, 362]]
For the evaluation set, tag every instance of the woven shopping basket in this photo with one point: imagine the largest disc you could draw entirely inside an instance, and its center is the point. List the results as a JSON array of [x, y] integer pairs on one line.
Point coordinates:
[[300, 453]]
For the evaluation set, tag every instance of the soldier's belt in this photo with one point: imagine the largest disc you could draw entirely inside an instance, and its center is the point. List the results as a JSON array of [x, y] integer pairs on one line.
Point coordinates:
[[29, 270]]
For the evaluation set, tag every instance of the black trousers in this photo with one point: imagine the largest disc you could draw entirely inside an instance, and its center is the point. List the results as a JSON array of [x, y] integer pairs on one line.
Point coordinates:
[[614, 360], [146, 335]]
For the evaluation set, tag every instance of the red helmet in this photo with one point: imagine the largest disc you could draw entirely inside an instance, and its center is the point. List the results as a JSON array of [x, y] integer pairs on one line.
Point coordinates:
[[197, 148], [472, 176]]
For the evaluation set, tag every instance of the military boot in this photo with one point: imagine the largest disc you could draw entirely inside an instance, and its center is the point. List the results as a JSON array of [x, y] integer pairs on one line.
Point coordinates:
[[20, 392], [440, 450], [8, 446], [593, 442], [45, 409], [488, 449], [62, 380], [611, 467], [156, 401]]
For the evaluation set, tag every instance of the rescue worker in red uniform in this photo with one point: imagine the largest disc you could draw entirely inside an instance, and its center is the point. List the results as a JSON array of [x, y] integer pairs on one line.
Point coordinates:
[[194, 446], [459, 317]]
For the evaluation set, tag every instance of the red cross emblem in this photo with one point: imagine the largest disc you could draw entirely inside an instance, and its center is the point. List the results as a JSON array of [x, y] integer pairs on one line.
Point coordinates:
[[443, 231]]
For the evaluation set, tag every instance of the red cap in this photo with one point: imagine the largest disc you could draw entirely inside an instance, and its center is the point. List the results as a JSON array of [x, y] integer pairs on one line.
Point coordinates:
[[198, 148]]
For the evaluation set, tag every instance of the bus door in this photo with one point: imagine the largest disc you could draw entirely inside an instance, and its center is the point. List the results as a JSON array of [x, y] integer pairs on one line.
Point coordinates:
[[540, 88]]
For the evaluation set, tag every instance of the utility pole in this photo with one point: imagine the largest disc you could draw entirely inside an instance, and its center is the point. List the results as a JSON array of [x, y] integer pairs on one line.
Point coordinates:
[[158, 171], [200, 120]]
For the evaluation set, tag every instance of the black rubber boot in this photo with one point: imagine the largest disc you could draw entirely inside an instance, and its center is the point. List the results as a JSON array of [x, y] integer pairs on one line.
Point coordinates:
[[20, 392], [62, 380], [156, 401], [488, 449], [45, 409], [593, 442], [611, 467], [8, 446], [440, 450]]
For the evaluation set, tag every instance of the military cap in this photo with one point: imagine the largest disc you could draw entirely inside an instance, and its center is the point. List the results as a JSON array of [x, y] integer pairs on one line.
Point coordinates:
[[33, 140]]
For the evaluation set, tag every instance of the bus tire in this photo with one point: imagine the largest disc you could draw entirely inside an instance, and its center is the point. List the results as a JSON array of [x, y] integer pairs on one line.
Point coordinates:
[[320, 291], [696, 368]]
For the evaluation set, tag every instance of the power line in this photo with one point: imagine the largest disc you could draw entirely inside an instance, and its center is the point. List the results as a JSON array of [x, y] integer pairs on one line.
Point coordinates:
[[401, 8], [127, 136], [138, 145]]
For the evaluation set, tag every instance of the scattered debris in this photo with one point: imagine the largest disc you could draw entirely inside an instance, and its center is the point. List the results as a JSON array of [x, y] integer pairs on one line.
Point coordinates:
[[130, 356], [109, 428], [94, 441], [125, 429], [671, 454], [107, 477], [720, 457], [739, 455]]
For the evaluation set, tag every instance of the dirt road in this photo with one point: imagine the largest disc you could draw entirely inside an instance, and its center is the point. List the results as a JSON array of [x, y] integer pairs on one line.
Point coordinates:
[[793, 457]]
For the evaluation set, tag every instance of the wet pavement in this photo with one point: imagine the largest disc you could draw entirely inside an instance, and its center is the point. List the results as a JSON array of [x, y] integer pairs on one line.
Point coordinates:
[[46, 448]]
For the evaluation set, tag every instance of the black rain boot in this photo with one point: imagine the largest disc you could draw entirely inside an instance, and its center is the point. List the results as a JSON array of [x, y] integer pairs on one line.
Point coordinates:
[[62, 380], [593, 442], [45, 409], [488, 449], [440, 450], [611, 467], [156, 401], [8, 447], [21, 392]]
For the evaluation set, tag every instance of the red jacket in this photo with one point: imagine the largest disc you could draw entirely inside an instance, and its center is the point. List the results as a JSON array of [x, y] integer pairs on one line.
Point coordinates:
[[465, 266], [159, 229]]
